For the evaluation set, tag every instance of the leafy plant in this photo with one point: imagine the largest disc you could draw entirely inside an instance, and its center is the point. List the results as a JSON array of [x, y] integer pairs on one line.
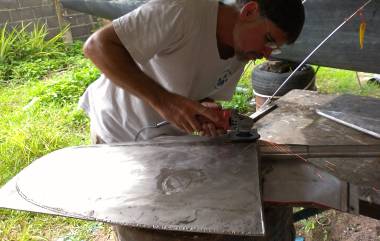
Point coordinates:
[[27, 55], [240, 100], [35, 44], [243, 93], [7, 41], [67, 87], [308, 225]]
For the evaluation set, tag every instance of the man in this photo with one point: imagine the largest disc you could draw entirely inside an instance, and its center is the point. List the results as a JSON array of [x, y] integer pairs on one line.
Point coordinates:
[[166, 57]]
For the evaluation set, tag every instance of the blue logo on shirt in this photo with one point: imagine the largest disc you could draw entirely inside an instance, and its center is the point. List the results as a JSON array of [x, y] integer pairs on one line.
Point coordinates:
[[223, 79]]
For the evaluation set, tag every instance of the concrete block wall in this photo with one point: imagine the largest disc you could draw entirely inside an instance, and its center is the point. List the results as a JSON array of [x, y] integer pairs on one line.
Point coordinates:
[[81, 25], [14, 12]]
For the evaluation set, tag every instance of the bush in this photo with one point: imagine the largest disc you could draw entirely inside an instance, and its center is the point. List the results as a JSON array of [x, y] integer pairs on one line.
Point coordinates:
[[7, 41], [243, 93], [20, 43], [66, 88], [28, 55]]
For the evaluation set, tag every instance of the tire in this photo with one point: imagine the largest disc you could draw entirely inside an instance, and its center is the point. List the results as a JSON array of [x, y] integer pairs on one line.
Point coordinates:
[[265, 83]]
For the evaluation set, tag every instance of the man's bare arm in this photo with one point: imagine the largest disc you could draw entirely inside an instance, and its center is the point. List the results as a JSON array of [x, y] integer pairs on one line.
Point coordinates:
[[107, 52]]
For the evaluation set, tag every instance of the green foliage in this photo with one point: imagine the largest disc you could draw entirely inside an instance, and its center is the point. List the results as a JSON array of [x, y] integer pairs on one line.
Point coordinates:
[[240, 100], [27, 55], [23, 226], [331, 80], [243, 93], [38, 126], [41, 81], [66, 87], [37, 118], [23, 71], [27, 41], [26, 133], [308, 225], [7, 40], [30, 131]]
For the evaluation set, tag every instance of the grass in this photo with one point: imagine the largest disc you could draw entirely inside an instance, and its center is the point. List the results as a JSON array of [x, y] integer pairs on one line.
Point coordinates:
[[331, 81], [26, 226], [28, 131], [39, 87]]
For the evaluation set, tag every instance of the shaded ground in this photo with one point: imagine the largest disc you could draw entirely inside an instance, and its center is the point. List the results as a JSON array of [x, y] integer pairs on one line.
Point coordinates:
[[328, 226], [337, 226], [105, 235]]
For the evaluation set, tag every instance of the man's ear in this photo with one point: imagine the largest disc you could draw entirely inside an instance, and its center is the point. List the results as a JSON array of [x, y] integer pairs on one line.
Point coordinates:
[[250, 11]]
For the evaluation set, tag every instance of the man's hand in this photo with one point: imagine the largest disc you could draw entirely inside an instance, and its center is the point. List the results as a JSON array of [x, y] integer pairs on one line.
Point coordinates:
[[210, 128], [187, 114]]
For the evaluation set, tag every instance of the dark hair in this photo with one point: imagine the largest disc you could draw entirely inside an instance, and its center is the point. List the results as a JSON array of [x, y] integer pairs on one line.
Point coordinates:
[[288, 15]]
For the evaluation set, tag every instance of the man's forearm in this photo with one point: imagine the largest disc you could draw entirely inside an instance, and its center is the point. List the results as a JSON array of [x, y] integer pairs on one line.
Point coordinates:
[[109, 55]]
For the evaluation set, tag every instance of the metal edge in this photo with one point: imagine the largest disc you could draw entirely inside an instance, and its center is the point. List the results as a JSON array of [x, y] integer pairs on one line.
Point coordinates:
[[353, 126]]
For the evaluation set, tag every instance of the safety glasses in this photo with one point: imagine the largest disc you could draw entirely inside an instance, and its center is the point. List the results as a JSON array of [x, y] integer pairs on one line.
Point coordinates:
[[270, 43]]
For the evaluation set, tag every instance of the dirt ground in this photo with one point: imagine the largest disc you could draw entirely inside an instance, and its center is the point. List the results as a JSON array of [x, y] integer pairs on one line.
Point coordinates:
[[337, 226]]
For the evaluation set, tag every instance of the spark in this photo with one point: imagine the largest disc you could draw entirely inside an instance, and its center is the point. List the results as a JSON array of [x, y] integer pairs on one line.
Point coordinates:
[[286, 149], [319, 175], [332, 169], [332, 164]]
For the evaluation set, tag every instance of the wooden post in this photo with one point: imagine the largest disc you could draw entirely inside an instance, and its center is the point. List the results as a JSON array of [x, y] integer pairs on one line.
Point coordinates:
[[67, 37]]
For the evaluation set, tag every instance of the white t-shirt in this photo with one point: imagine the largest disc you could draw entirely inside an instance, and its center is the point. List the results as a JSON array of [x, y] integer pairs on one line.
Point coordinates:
[[173, 42]]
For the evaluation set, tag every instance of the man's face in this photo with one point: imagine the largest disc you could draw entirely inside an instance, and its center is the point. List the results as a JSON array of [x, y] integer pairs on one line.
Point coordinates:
[[257, 38]]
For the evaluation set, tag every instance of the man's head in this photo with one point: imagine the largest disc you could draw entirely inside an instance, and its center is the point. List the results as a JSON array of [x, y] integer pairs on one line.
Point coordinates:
[[265, 25]]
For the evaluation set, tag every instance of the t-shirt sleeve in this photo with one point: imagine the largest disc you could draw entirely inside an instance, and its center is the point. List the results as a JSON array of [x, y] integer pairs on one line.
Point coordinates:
[[153, 28]]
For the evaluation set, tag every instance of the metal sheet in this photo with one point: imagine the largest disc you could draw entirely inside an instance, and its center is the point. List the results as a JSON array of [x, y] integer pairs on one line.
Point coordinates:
[[358, 112], [10, 199], [198, 186]]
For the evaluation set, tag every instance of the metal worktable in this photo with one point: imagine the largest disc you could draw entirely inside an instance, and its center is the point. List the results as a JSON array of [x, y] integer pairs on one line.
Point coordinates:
[[295, 121]]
